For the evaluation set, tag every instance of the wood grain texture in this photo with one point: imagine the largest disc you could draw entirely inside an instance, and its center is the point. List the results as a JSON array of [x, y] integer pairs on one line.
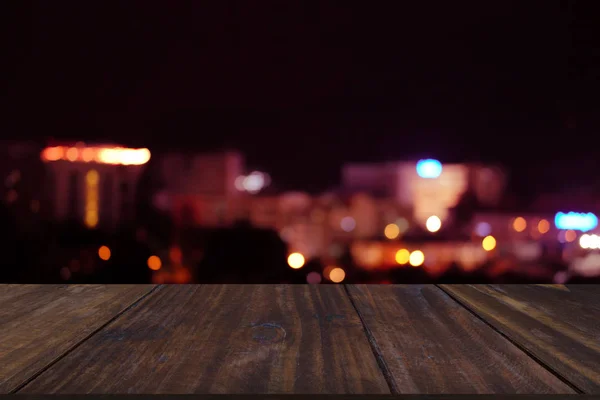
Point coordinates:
[[39, 323], [225, 339], [432, 345], [558, 325]]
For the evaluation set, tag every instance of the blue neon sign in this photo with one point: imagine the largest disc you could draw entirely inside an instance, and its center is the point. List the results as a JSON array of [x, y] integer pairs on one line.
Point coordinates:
[[429, 168], [576, 221]]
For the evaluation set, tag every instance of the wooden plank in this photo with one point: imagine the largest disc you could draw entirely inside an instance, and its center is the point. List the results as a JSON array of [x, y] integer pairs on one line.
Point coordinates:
[[432, 345], [39, 323], [559, 325], [225, 339]]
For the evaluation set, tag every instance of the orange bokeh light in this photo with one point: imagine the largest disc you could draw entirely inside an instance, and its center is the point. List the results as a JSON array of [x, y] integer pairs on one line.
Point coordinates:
[[543, 226], [337, 275], [104, 253], [519, 224], [154, 263]]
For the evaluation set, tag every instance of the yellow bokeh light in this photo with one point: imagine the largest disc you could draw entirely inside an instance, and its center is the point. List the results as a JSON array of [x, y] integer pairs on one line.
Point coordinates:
[[433, 224], [296, 260], [489, 243], [416, 258], [519, 224], [104, 253], [337, 275], [402, 256], [543, 226], [391, 231], [570, 236], [154, 263]]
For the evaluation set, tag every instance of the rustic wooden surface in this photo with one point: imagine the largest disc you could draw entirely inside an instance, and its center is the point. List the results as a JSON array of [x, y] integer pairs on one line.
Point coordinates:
[[225, 339], [299, 339], [39, 323], [557, 324], [431, 344]]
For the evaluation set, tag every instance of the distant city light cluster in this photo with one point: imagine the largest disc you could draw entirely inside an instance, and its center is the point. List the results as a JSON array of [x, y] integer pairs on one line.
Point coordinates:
[[101, 155], [429, 168], [576, 221], [252, 183], [591, 242]]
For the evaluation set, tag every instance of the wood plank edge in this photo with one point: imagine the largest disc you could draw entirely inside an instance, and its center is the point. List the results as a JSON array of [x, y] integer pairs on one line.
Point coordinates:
[[43, 369], [464, 304], [377, 353]]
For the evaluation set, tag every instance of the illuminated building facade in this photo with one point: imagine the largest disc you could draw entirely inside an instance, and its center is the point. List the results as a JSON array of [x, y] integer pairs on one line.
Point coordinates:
[[94, 184]]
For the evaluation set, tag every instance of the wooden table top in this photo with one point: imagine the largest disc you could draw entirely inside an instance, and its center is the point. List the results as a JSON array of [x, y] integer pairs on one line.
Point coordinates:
[[351, 339]]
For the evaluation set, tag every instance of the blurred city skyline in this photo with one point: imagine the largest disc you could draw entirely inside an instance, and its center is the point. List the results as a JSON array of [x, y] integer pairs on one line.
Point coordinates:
[[301, 88]]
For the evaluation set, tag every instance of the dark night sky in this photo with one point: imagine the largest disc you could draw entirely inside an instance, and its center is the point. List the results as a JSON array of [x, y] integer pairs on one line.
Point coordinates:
[[302, 86]]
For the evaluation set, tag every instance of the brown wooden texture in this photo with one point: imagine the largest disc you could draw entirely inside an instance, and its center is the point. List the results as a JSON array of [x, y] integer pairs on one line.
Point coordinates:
[[225, 339], [559, 325], [39, 323], [432, 345]]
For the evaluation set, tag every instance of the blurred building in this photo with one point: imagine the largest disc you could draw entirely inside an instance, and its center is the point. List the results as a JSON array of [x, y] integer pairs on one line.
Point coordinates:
[[94, 184], [430, 193], [200, 189], [23, 181]]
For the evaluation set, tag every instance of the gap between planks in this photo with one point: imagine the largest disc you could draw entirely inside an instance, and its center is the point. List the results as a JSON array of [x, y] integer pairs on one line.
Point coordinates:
[[512, 341], [385, 370], [79, 343]]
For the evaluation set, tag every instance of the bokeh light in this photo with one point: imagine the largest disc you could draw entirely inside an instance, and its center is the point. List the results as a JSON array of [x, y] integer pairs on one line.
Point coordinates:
[[483, 229], [391, 231], [296, 260], [429, 168], [576, 221], [402, 256], [589, 241], [416, 258], [348, 224], [313, 277], [570, 236], [104, 253], [433, 223], [154, 263], [337, 275], [543, 226], [519, 224], [488, 243]]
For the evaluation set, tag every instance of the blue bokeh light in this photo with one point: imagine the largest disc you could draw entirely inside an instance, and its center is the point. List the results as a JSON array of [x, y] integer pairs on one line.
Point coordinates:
[[429, 168], [576, 221]]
